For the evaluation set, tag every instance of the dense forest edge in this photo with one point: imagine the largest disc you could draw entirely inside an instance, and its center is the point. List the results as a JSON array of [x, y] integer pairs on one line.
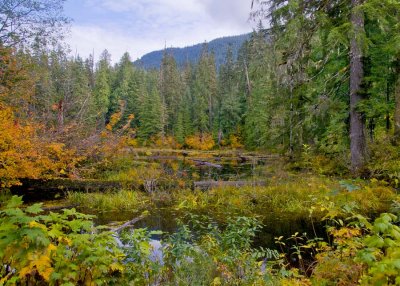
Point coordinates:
[[309, 109]]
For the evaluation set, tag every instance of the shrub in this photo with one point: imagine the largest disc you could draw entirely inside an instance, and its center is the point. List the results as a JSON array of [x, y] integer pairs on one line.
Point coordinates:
[[55, 249], [203, 142]]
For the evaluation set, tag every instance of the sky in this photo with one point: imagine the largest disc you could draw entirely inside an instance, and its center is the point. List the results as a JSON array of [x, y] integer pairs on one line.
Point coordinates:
[[142, 26]]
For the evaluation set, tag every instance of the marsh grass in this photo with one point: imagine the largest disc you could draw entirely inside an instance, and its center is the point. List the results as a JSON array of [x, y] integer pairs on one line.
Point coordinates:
[[290, 198], [295, 198], [123, 201]]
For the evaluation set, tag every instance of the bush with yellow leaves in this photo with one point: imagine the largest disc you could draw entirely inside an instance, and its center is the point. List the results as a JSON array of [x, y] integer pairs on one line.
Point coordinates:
[[203, 141]]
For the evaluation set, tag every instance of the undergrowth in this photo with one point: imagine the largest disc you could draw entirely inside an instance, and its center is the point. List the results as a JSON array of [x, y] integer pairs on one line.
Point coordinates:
[[67, 249]]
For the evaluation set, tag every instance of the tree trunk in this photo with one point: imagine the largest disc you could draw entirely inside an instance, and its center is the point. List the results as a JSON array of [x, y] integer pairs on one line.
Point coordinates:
[[397, 100], [388, 125], [357, 121], [60, 116], [248, 84]]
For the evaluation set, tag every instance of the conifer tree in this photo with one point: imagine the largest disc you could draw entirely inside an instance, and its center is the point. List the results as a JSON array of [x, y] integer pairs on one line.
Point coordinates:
[[329, 52], [102, 88], [187, 108], [123, 88], [171, 90], [228, 107], [150, 121], [204, 92], [80, 102]]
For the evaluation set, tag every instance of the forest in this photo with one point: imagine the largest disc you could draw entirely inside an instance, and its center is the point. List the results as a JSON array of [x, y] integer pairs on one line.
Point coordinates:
[[276, 165], [191, 54]]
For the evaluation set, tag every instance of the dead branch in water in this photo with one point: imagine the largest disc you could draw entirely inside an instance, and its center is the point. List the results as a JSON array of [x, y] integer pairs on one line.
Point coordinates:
[[129, 223], [205, 163]]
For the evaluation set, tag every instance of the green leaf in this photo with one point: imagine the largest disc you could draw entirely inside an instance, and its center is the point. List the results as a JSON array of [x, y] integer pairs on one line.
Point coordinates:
[[396, 264], [348, 186], [34, 209], [375, 241], [366, 256], [55, 232], [56, 276], [15, 202], [68, 284], [380, 227], [389, 242]]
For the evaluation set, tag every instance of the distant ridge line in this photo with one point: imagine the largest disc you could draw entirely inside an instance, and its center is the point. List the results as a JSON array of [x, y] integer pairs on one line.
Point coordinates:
[[191, 54]]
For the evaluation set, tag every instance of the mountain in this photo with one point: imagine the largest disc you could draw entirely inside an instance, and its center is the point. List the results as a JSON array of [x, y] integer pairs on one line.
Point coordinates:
[[192, 54]]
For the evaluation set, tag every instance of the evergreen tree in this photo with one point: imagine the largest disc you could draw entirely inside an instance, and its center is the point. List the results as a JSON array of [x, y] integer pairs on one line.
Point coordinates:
[[187, 108], [123, 89], [80, 102], [150, 121], [204, 92], [315, 43], [266, 111], [102, 88], [228, 107], [171, 90]]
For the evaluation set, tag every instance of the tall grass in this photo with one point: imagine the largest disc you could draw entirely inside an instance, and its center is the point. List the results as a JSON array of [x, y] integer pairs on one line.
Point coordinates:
[[290, 199], [123, 200]]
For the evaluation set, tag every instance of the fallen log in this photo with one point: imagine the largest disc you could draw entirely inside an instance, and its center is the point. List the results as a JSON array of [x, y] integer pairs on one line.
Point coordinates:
[[205, 163], [128, 223], [39, 190], [206, 185]]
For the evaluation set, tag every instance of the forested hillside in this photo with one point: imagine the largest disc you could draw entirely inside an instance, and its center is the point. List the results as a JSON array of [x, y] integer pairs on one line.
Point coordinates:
[[192, 54]]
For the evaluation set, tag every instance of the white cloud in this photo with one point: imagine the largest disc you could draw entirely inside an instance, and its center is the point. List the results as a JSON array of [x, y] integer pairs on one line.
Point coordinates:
[[231, 12], [147, 6], [141, 26], [86, 39]]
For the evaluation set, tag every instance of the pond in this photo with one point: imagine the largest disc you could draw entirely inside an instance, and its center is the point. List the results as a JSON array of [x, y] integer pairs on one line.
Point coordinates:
[[172, 173], [153, 173]]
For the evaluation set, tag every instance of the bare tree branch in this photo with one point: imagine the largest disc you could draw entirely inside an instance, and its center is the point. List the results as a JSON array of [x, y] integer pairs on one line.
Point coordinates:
[[23, 22]]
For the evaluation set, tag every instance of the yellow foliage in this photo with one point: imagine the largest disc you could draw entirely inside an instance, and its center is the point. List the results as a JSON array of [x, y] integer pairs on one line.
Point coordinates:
[[202, 142], [235, 142], [165, 142], [132, 142], [115, 118], [295, 282], [34, 224], [65, 240], [22, 153], [39, 262]]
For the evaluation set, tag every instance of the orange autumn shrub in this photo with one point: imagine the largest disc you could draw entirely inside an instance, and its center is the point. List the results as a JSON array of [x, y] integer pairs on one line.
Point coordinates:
[[202, 142], [18, 156], [160, 141], [235, 142], [22, 153]]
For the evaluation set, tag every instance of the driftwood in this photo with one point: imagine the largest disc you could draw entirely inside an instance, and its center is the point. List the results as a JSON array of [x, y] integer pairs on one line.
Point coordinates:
[[206, 185], [128, 224], [205, 163]]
